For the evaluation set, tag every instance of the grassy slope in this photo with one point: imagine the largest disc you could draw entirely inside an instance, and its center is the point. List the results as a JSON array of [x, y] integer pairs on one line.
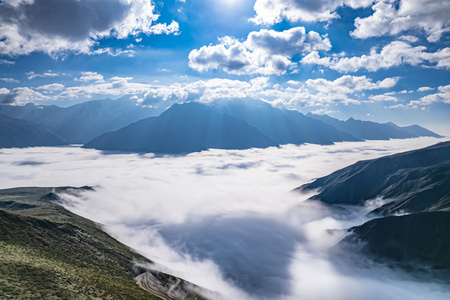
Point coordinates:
[[46, 252]]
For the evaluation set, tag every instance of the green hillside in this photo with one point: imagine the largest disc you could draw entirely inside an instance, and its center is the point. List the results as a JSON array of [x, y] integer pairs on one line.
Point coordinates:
[[46, 252]]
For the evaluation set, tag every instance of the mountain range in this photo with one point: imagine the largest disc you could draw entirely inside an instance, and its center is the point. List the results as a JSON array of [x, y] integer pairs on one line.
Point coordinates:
[[367, 130], [221, 124], [122, 125], [412, 225], [82, 122]]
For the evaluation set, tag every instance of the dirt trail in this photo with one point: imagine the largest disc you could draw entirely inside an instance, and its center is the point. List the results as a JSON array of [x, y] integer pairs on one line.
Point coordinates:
[[174, 286], [149, 283]]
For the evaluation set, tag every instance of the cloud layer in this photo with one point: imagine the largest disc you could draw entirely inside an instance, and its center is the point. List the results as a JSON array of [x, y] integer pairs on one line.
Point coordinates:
[[225, 220], [294, 94]]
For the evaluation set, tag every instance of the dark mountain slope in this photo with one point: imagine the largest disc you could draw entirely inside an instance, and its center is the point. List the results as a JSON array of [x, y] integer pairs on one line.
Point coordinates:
[[413, 181], [46, 252], [367, 130], [416, 241], [185, 128], [20, 133], [282, 126]]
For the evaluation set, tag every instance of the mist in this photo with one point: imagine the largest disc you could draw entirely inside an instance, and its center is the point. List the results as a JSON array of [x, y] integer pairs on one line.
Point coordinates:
[[227, 220]]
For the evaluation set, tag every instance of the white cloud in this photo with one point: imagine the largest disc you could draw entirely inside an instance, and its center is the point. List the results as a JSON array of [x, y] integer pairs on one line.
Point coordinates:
[[51, 87], [442, 96], [394, 54], [76, 25], [9, 80], [20, 96], [6, 62], [349, 84], [172, 28], [392, 18], [113, 52], [323, 111], [49, 73], [91, 76], [425, 88], [383, 97], [263, 52], [409, 38], [293, 94], [274, 11]]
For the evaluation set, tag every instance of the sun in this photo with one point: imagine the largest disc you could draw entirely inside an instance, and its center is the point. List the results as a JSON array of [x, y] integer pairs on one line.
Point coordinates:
[[230, 2]]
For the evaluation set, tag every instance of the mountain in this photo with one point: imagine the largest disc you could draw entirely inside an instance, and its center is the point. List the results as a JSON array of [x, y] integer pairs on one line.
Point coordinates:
[[20, 133], [417, 241], [184, 128], [416, 130], [82, 122], [48, 252], [367, 130], [282, 126], [413, 184], [413, 181]]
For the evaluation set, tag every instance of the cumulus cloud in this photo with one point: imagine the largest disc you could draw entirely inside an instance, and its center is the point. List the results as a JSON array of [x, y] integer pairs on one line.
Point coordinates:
[[394, 54], [240, 231], [51, 87], [342, 90], [55, 27], [20, 96], [409, 38], [274, 11], [263, 52], [91, 76], [392, 18], [384, 97], [442, 96], [349, 84], [425, 88]]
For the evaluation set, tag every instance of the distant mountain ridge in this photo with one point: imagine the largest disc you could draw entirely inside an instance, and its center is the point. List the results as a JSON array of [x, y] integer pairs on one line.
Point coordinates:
[[281, 125], [17, 133], [90, 122], [175, 132], [367, 130], [82, 122]]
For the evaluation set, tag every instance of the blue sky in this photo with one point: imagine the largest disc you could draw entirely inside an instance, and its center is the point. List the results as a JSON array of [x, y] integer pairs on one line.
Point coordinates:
[[382, 60]]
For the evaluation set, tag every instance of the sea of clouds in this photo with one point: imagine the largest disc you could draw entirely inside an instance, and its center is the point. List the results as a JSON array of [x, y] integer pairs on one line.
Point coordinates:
[[226, 220]]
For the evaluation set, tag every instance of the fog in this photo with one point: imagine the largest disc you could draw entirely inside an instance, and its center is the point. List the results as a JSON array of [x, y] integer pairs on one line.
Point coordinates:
[[226, 220]]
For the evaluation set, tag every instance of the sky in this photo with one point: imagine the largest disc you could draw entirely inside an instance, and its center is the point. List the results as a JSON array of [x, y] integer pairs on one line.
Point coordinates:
[[227, 220], [381, 60]]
